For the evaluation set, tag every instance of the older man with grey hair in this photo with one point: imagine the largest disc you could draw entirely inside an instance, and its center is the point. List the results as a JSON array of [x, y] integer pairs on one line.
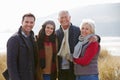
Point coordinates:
[[68, 37]]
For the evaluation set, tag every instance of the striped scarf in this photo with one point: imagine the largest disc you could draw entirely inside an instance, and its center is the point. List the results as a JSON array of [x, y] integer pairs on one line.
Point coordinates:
[[42, 55]]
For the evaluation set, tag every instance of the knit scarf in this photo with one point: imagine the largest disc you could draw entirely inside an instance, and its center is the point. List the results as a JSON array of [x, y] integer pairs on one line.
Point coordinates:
[[65, 49], [80, 44], [42, 55]]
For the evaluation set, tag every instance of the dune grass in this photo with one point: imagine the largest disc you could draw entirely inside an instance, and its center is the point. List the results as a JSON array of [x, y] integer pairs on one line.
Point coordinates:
[[109, 66], [2, 64]]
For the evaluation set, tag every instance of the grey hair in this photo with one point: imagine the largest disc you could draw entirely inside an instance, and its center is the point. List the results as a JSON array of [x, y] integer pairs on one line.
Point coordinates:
[[62, 12], [89, 22]]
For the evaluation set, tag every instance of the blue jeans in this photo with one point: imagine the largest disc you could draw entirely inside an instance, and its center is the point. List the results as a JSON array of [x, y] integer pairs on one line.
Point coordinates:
[[46, 76], [87, 77]]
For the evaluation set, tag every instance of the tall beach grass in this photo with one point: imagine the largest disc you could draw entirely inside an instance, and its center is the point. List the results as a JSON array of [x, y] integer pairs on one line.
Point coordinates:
[[109, 66], [2, 64]]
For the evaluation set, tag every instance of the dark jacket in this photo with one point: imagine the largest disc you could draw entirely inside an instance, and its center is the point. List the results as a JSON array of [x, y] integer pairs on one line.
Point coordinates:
[[73, 35], [20, 57]]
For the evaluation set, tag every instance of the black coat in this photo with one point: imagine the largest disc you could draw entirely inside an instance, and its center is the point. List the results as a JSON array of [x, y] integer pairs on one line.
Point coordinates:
[[73, 35], [20, 59]]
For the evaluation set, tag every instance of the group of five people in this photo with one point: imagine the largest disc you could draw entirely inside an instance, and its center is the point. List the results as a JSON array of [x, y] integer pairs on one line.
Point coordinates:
[[68, 53]]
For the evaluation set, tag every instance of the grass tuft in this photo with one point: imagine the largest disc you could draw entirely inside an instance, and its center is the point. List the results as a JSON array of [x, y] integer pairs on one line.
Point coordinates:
[[2, 65]]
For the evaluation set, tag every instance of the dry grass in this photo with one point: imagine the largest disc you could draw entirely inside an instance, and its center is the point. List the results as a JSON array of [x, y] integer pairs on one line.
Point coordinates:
[[2, 65], [109, 66]]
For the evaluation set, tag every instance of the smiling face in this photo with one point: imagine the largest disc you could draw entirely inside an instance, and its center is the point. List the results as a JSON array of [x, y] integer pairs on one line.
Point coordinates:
[[49, 29], [64, 19], [27, 24], [86, 29]]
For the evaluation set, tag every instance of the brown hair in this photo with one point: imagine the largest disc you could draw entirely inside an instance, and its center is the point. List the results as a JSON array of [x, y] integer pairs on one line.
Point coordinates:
[[28, 15]]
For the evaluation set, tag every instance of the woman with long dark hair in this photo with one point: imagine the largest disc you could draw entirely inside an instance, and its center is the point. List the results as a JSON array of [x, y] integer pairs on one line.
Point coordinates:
[[47, 50]]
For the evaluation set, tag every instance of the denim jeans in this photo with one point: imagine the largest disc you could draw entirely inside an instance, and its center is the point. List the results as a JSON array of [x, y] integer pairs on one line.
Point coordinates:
[[87, 77], [46, 77]]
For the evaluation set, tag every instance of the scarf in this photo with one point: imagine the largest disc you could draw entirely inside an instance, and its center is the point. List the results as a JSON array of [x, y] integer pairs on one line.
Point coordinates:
[[80, 44], [42, 55], [65, 49]]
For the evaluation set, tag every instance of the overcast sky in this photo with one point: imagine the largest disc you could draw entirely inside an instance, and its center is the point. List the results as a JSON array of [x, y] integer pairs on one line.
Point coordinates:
[[11, 11]]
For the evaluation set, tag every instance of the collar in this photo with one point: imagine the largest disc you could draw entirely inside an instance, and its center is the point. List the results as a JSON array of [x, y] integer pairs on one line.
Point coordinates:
[[65, 30], [24, 34]]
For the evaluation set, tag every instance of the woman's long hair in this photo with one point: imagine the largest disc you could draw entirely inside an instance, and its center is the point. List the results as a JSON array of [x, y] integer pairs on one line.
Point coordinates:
[[41, 35]]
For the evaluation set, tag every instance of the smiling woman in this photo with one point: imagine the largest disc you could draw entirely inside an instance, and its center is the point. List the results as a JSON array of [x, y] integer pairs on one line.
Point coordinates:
[[47, 51]]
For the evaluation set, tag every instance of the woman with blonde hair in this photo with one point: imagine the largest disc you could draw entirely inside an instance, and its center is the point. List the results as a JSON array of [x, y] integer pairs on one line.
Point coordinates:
[[86, 53]]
